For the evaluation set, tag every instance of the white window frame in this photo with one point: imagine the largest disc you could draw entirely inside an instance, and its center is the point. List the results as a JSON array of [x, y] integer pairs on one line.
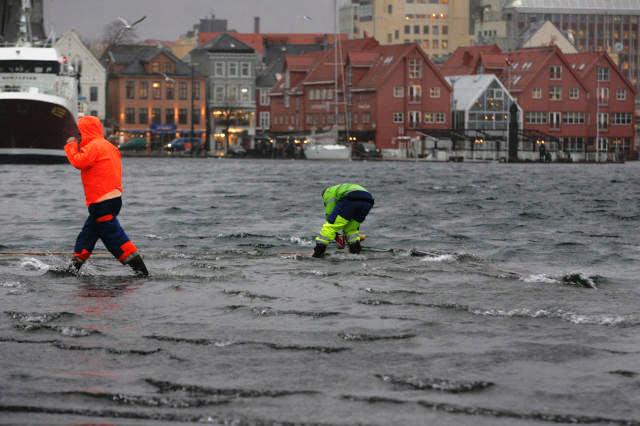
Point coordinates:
[[621, 118], [414, 118], [434, 92], [415, 68], [536, 117], [245, 66], [219, 93], [398, 117], [555, 119], [232, 93], [574, 91], [398, 91], [555, 93], [265, 119], [219, 69], [603, 96], [536, 93], [555, 72], [603, 120], [232, 66], [265, 99], [621, 94], [602, 74], [415, 93]]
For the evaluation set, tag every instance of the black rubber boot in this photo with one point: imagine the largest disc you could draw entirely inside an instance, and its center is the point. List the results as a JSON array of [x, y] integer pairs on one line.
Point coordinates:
[[138, 266], [355, 247], [319, 249], [75, 265]]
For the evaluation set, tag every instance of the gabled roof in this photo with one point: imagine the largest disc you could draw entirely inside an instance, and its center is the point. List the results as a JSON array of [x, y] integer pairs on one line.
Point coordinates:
[[380, 61], [250, 39], [465, 59], [323, 68], [134, 57], [388, 57], [227, 42], [524, 65], [584, 62], [468, 88], [72, 35]]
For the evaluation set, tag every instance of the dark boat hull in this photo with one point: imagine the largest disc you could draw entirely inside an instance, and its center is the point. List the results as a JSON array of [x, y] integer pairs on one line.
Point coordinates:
[[34, 131]]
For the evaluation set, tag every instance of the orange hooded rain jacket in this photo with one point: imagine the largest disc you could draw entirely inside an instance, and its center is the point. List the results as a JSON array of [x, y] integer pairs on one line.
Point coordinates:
[[97, 159]]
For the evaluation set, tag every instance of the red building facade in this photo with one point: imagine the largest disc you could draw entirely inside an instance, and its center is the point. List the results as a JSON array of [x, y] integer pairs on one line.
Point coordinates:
[[582, 100], [612, 104], [384, 93]]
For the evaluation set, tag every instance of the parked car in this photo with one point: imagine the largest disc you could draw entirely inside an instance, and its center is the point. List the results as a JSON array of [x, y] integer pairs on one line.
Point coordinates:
[[135, 144], [366, 151], [236, 151], [183, 145]]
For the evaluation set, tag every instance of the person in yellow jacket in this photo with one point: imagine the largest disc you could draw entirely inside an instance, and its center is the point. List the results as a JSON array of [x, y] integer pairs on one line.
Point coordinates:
[[346, 206]]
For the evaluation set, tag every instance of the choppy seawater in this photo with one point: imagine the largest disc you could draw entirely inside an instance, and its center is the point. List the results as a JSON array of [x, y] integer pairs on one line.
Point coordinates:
[[463, 311]]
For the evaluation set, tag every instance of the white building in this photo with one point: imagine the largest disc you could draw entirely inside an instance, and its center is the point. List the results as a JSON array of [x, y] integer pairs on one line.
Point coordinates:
[[93, 76], [481, 116]]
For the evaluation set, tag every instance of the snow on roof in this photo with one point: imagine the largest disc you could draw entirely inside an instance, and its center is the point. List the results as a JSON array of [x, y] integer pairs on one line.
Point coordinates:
[[468, 88]]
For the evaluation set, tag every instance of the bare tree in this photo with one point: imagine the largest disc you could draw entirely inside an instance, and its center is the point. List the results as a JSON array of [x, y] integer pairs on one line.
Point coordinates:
[[114, 32]]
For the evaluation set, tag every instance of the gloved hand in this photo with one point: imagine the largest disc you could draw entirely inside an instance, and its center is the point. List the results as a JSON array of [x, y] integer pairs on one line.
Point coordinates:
[[340, 241], [319, 249], [355, 247]]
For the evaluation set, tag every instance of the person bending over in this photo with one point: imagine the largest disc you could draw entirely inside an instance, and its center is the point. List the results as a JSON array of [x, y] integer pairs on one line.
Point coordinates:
[[346, 206], [100, 168]]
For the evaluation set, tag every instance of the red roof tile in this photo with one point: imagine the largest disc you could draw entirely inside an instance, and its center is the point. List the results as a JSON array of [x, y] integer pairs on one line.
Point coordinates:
[[359, 59], [465, 60]]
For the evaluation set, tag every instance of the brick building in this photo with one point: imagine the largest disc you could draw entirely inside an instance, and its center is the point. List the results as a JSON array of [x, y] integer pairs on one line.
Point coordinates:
[[385, 94], [153, 94], [557, 93]]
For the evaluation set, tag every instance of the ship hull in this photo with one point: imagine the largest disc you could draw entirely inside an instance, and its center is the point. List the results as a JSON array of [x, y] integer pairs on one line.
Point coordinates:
[[34, 131]]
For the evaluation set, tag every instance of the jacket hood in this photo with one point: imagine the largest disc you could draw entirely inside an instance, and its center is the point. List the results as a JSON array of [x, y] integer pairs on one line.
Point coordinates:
[[90, 129]]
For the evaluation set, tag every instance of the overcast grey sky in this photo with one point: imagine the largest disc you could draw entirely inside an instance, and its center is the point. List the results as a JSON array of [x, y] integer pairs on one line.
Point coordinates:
[[167, 19]]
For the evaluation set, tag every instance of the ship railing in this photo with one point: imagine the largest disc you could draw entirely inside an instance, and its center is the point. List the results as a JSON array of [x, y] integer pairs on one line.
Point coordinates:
[[58, 86]]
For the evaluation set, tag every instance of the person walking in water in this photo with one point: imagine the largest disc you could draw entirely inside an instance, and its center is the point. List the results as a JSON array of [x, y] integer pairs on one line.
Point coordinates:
[[346, 206], [100, 168]]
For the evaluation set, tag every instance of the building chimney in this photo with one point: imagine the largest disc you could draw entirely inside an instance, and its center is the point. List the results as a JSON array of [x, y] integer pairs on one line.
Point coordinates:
[[256, 25]]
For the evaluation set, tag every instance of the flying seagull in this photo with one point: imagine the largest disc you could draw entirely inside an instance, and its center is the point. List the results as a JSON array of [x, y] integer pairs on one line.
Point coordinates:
[[129, 26]]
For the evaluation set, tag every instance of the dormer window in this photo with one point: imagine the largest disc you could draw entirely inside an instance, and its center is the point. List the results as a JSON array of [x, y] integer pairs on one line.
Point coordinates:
[[155, 67]]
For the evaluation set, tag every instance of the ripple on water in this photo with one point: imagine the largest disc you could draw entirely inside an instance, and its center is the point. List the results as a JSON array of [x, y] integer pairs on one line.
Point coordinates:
[[575, 318], [373, 336], [438, 384]]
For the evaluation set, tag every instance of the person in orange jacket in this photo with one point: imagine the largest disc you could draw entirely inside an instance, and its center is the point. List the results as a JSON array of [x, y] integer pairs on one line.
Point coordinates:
[[100, 168]]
